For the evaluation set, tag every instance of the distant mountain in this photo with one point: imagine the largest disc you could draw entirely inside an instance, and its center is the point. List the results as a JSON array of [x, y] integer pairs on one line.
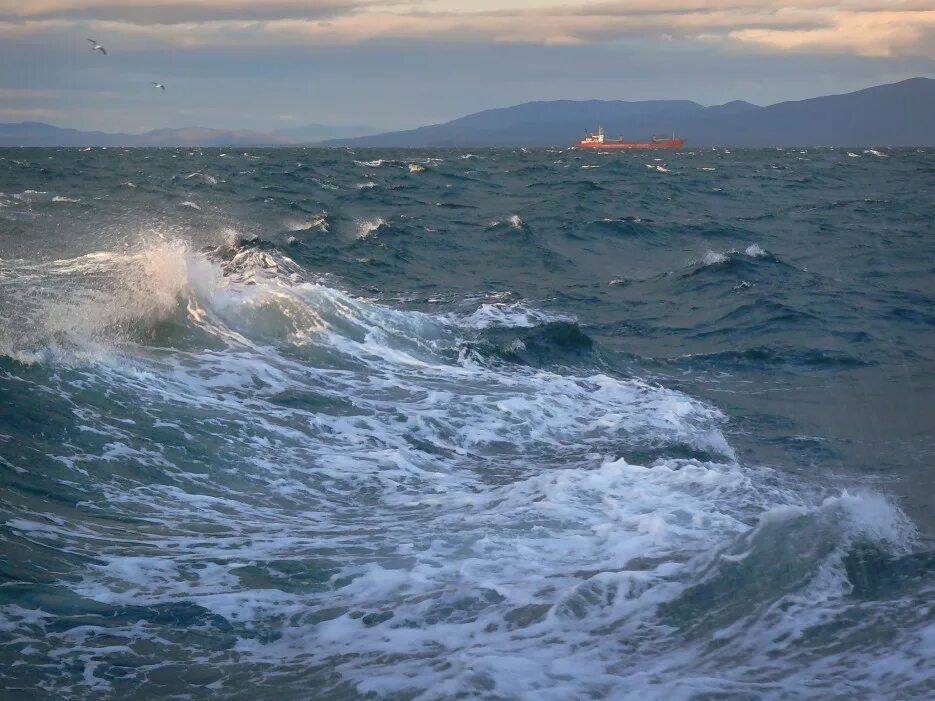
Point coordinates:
[[40, 134], [735, 107], [539, 124], [199, 136], [899, 114], [320, 132]]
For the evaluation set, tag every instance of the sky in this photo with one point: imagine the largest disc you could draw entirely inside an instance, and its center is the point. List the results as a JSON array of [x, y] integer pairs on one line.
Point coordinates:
[[248, 64]]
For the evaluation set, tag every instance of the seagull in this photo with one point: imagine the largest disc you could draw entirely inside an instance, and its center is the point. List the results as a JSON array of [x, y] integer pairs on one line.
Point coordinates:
[[97, 47], [159, 86]]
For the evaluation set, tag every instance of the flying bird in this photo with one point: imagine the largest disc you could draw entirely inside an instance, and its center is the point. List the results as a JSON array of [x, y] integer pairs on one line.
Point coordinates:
[[97, 47], [158, 86]]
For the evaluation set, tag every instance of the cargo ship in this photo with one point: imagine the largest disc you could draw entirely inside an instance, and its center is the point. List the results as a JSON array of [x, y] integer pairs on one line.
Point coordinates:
[[598, 141]]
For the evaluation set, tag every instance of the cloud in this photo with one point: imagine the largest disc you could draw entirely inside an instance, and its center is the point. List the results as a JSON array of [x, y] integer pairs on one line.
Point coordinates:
[[881, 28], [28, 114], [173, 11], [25, 94], [877, 33]]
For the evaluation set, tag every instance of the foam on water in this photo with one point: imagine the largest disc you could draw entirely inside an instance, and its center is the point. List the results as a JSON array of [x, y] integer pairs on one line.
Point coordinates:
[[712, 258], [466, 520], [317, 222], [203, 177], [369, 227], [228, 476], [94, 302], [498, 314]]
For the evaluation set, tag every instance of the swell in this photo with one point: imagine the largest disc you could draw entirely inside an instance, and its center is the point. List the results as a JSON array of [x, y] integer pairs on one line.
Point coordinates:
[[226, 474]]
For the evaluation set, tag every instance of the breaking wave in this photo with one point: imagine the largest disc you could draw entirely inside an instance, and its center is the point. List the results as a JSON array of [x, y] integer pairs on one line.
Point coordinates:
[[297, 464]]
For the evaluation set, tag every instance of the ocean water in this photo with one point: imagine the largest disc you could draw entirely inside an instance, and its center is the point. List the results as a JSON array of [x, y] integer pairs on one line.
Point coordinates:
[[293, 424]]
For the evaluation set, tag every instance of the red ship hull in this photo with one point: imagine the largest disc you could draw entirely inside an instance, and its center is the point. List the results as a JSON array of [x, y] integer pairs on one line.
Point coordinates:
[[622, 145]]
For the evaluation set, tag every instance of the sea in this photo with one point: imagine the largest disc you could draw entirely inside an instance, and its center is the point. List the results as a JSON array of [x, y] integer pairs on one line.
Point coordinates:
[[467, 424]]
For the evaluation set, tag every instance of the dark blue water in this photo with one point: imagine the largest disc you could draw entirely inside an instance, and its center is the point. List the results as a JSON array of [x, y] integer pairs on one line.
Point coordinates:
[[493, 425]]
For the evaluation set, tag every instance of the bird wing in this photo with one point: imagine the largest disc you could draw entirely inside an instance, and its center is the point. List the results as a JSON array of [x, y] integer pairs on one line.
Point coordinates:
[[93, 42], [103, 50]]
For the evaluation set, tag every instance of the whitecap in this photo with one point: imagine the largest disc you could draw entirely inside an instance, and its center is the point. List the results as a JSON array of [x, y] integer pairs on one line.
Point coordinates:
[[711, 258], [318, 222], [203, 177], [28, 195], [369, 227], [506, 315]]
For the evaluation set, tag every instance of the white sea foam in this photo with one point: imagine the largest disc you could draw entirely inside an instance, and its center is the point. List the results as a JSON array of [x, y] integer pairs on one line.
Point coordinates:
[[369, 227], [319, 222], [515, 315], [719, 257], [28, 195], [712, 258], [92, 303], [203, 177], [360, 490]]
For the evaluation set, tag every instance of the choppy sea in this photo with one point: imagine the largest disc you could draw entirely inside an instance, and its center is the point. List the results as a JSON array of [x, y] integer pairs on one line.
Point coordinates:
[[500, 424]]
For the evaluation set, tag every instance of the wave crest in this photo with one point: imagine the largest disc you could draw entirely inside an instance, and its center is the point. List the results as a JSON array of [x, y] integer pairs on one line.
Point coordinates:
[[94, 302]]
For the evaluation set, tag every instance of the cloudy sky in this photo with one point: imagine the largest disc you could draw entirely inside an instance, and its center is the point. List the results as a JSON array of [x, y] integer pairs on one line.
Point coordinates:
[[255, 64]]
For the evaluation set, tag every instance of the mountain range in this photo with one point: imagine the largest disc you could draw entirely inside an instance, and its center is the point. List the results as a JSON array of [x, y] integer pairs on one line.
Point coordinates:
[[897, 114]]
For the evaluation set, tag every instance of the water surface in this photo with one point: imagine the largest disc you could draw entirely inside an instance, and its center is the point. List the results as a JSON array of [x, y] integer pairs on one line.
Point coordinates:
[[493, 425]]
